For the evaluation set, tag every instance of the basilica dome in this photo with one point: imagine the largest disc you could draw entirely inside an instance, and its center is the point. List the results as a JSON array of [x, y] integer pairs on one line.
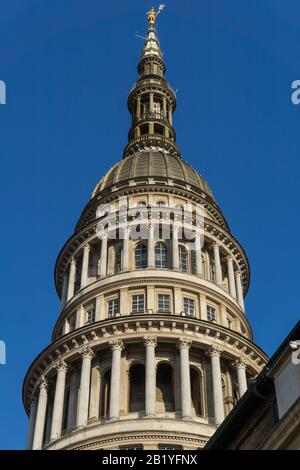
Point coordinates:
[[153, 165]]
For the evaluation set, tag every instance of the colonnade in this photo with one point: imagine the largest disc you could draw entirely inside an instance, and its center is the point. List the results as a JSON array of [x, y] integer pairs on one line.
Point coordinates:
[[77, 416], [235, 285]]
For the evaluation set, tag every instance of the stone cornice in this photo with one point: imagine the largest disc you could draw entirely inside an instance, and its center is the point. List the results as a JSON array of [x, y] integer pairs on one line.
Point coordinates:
[[166, 328]]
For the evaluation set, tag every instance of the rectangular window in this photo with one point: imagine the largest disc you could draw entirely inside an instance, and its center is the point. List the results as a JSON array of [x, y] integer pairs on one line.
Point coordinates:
[[229, 323], [90, 315], [164, 303], [211, 313], [189, 306], [113, 308], [137, 303]]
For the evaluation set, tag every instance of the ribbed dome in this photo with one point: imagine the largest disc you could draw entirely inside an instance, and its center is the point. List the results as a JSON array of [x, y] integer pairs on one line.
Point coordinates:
[[152, 164]]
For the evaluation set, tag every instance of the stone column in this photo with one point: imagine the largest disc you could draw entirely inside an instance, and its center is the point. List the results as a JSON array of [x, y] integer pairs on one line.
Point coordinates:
[[184, 345], [218, 268], [240, 366], [59, 396], [170, 116], [125, 258], [138, 106], [95, 393], [198, 253], [73, 394], [32, 418], [84, 393], [85, 265], [103, 262], [239, 289], [151, 251], [175, 251], [115, 386], [151, 103], [72, 276], [165, 107], [214, 354], [64, 292], [231, 280], [40, 415], [150, 379]]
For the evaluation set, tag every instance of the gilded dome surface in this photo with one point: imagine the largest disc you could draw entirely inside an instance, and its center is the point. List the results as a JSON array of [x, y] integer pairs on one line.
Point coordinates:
[[152, 164]]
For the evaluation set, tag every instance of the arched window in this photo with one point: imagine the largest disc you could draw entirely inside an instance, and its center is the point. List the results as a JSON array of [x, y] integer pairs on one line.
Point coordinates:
[[196, 392], [118, 260], [141, 204], [183, 258], [141, 257], [160, 204], [161, 255], [105, 394], [137, 388], [165, 388]]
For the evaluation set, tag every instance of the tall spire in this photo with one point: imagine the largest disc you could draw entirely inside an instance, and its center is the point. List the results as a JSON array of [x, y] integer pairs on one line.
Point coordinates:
[[151, 101]]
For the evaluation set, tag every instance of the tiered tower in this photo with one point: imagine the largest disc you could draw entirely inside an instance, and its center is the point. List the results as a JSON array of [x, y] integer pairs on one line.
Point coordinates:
[[152, 347]]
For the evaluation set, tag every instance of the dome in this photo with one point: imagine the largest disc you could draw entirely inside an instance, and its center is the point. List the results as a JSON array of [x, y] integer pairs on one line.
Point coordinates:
[[152, 164]]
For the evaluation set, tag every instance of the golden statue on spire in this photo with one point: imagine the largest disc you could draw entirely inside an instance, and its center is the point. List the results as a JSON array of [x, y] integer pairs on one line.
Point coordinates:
[[152, 14]]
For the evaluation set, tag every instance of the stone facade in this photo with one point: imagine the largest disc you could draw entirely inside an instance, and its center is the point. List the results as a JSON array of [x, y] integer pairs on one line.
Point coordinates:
[[268, 416], [152, 346]]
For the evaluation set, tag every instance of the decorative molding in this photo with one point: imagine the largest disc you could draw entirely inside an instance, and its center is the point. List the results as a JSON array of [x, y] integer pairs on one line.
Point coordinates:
[[116, 344], [87, 352], [184, 343], [214, 351], [157, 437], [42, 382], [150, 341], [70, 346], [240, 363], [61, 366]]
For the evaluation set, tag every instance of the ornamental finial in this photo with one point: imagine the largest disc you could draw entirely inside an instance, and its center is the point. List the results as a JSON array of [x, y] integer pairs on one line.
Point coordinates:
[[152, 14]]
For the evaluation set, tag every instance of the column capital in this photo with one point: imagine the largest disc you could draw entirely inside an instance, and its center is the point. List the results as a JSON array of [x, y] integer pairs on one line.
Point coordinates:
[[86, 246], [184, 343], [61, 365], [229, 257], [42, 383], [116, 344], [214, 351], [238, 273], [240, 363], [150, 341], [73, 260], [86, 351], [216, 244]]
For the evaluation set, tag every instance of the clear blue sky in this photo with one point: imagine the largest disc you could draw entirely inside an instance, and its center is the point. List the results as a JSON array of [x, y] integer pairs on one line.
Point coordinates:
[[68, 66]]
